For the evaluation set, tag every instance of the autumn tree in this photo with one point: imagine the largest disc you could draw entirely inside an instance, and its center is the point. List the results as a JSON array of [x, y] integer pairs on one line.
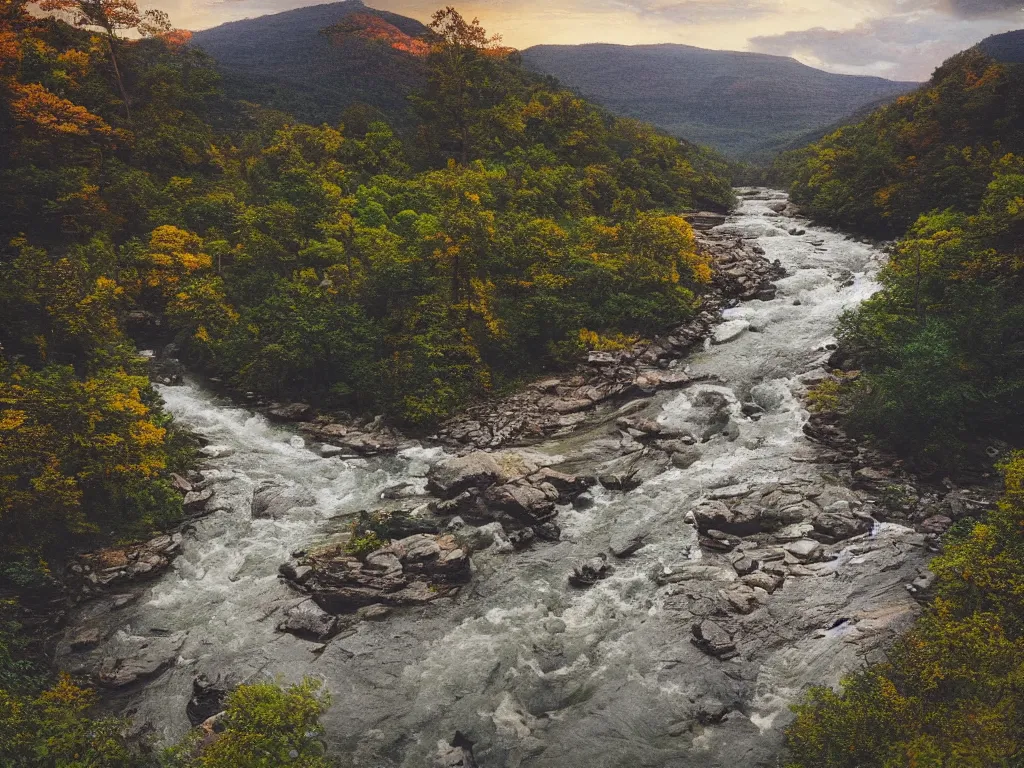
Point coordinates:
[[111, 17], [458, 76]]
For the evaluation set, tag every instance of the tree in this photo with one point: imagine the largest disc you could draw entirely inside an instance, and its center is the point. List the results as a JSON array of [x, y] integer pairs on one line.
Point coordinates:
[[111, 17], [456, 74]]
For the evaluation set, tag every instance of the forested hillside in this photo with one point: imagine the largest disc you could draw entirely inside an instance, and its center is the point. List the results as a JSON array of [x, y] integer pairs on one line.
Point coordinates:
[[943, 168], [315, 64], [1007, 47], [939, 379], [748, 105]]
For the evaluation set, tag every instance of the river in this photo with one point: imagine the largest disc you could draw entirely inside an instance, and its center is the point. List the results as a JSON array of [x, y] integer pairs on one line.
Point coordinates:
[[537, 673]]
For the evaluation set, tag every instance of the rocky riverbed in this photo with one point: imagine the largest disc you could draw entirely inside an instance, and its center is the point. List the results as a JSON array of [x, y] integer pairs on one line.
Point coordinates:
[[651, 581]]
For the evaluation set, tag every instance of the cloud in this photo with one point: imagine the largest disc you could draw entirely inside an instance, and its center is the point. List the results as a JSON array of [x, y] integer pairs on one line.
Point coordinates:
[[976, 8], [701, 11], [905, 45]]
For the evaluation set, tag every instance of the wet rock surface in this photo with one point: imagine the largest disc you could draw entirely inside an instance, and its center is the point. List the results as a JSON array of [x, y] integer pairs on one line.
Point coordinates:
[[96, 573], [746, 552], [371, 440], [410, 571]]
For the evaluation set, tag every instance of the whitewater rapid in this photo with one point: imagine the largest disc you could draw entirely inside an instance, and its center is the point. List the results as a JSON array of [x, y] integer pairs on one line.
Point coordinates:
[[534, 672]]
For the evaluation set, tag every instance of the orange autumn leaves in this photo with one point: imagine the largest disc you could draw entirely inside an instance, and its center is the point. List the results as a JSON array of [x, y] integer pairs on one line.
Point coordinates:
[[366, 26], [36, 107]]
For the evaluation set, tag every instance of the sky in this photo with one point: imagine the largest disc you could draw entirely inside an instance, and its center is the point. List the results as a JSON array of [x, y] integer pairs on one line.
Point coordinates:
[[898, 39]]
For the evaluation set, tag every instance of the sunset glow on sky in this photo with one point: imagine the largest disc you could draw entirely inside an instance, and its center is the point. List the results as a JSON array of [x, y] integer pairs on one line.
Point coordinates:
[[902, 39]]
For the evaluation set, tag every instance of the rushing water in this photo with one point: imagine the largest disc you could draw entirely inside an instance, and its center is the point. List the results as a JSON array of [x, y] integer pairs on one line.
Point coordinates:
[[536, 673]]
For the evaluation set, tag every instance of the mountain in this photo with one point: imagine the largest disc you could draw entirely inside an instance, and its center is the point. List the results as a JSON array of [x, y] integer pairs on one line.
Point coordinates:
[[1007, 47], [745, 104], [315, 62]]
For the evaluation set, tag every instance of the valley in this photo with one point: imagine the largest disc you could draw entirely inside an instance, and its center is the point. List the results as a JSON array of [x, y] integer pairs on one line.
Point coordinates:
[[376, 395]]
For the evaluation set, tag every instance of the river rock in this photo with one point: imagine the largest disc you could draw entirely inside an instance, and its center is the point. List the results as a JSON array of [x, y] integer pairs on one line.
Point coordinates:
[[476, 539], [711, 638], [180, 483], [718, 541], [729, 331], [196, 501], [291, 412], [745, 566], [309, 621], [369, 441], [85, 639], [217, 451], [686, 458], [592, 571], [451, 477], [567, 486], [276, 501], [207, 700], [937, 524], [615, 481], [804, 550], [837, 526], [94, 573], [416, 569], [769, 582], [141, 659], [456, 754], [524, 502], [704, 220]]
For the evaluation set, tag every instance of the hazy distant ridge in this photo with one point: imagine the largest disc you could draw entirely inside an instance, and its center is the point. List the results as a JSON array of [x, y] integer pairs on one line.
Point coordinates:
[[742, 103]]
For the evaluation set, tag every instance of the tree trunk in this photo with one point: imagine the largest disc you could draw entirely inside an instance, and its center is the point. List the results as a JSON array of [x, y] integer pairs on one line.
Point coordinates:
[[117, 75]]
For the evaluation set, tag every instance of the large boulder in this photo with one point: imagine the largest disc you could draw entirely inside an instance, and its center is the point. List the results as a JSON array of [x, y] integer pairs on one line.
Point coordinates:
[[837, 526], [94, 573], [451, 477], [275, 501], [309, 621], [140, 658], [409, 571], [713, 639], [524, 502]]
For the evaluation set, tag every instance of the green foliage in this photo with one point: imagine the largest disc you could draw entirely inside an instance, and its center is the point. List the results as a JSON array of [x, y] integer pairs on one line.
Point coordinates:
[[345, 266], [360, 546], [950, 693], [825, 396], [265, 726], [934, 149], [54, 728], [942, 342]]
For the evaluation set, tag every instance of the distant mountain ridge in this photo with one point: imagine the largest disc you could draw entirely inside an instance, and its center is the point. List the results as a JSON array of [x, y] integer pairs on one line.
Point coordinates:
[[300, 62], [315, 62], [745, 104]]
